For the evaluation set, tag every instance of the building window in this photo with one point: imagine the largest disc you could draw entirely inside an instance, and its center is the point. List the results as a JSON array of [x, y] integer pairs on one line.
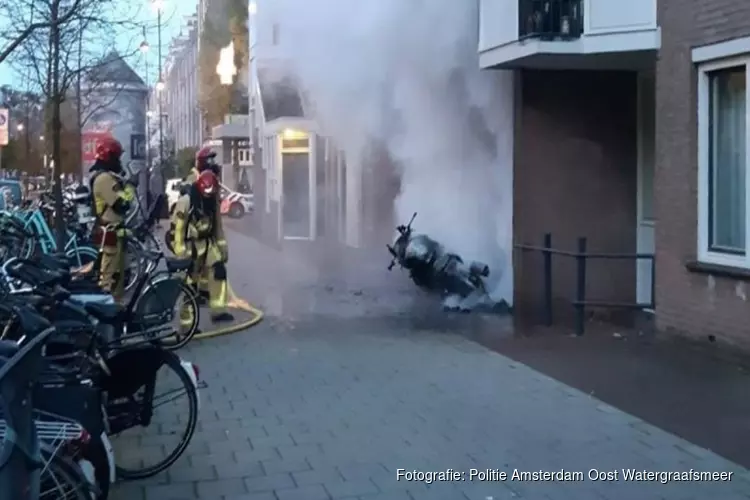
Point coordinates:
[[723, 160]]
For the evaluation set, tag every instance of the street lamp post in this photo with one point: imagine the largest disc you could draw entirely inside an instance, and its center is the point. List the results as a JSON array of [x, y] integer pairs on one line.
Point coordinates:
[[24, 127], [159, 6], [144, 50]]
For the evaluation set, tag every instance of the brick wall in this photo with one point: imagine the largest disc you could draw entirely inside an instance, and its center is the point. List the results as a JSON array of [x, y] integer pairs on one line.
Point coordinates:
[[575, 175], [697, 304]]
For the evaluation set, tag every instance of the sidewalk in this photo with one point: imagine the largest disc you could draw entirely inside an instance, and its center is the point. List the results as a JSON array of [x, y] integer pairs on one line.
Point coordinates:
[[667, 381], [676, 387], [291, 283]]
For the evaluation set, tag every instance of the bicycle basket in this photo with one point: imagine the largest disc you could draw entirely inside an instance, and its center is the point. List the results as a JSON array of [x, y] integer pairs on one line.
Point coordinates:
[[75, 401], [131, 369]]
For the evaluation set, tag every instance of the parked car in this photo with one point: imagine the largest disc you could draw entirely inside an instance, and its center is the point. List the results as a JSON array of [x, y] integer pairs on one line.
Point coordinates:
[[173, 192], [235, 205]]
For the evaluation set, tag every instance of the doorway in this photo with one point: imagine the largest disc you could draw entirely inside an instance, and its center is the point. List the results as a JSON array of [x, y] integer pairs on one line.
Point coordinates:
[[646, 161], [296, 218]]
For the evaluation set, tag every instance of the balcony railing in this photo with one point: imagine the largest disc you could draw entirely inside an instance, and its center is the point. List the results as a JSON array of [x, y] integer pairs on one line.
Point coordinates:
[[550, 20]]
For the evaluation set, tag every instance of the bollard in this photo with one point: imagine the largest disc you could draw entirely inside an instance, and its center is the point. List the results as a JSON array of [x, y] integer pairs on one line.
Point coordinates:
[[580, 286], [547, 290]]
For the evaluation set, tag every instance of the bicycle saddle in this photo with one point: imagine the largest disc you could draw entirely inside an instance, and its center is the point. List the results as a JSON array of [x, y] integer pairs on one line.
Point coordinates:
[[55, 262], [175, 265], [30, 320], [32, 275], [8, 349], [106, 313]]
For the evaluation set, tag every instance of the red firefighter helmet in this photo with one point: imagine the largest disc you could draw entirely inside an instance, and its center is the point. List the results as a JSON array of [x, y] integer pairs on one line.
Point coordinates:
[[204, 158], [207, 184], [108, 149]]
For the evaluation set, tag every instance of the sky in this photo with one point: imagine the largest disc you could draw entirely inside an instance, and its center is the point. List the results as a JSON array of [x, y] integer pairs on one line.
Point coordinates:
[[173, 17]]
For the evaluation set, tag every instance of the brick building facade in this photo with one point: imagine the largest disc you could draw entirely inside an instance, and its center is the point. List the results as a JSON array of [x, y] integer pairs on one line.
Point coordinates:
[[698, 290], [631, 130]]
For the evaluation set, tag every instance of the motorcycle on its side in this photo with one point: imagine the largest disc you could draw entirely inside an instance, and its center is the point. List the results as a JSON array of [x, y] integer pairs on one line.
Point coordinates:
[[433, 268]]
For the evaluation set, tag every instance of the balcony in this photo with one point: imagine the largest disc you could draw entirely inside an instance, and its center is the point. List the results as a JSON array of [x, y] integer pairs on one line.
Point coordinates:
[[548, 20], [568, 34]]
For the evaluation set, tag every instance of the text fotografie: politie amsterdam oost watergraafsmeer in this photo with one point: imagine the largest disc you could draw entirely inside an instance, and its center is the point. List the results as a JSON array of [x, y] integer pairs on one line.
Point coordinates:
[[561, 475]]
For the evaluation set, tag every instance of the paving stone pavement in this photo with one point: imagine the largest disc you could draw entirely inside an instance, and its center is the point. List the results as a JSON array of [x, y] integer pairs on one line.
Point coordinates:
[[325, 408]]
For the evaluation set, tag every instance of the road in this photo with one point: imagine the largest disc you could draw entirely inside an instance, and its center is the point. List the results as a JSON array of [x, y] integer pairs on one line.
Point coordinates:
[[339, 389]]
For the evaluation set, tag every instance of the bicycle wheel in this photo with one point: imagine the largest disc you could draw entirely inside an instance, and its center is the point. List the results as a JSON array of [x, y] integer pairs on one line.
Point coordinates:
[[27, 248], [137, 433], [82, 255], [61, 479], [135, 263], [96, 454], [187, 307], [168, 303]]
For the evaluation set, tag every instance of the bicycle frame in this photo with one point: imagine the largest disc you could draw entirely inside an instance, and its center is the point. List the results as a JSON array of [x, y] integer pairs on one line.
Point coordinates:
[[35, 222]]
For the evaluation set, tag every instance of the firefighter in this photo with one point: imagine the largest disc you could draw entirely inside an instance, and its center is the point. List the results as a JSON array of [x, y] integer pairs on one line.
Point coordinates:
[[112, 198], [205, 159], [199, 235]]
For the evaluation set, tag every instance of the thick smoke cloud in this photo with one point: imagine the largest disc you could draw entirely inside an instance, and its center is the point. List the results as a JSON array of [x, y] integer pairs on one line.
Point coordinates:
[[405, 72]]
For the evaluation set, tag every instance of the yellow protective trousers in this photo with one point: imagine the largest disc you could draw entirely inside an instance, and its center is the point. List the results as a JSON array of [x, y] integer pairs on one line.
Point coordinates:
[[209, 267], [112, 262]]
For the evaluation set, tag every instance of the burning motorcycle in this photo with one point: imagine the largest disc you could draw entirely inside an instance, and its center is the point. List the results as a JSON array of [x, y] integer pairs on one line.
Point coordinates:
[[433, 268]]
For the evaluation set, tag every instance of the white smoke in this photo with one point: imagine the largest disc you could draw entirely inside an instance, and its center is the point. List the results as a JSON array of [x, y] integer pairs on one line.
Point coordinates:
[[406, 72]]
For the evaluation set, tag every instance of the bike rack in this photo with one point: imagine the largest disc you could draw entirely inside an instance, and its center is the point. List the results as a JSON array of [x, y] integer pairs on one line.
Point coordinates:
[[580, 302]]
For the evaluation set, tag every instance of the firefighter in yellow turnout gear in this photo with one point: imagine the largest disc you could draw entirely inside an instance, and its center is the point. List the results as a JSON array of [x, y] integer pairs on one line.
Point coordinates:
[[205, 159], [199, 235], [112, 198]]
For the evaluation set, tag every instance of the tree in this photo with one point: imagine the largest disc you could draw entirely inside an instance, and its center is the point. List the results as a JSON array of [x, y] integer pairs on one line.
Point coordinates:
[[54, 57], [225, 23], [185, 160], [26, 152], [15, 33], [83, 66]]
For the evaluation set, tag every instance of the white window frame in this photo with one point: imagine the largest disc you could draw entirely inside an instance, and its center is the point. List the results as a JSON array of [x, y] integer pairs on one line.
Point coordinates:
[[704, 95]]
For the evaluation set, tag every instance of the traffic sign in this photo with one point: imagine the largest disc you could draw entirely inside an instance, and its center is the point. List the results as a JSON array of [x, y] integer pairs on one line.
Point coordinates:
[[138, 146], [4, 119]]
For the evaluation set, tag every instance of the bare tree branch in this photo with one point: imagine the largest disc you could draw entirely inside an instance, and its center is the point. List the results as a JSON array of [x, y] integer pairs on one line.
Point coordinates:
[[36, 26], [87, 33]]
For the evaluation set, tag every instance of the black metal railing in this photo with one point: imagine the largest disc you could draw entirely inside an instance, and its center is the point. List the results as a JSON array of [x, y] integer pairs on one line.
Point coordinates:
[[580, 302], [550, 19]]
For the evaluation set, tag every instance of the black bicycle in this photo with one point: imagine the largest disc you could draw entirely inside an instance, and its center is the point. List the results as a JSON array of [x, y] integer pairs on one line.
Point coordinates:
[[38, 457]]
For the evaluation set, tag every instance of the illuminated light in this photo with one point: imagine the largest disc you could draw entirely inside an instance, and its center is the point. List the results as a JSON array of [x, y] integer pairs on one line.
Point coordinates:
[[158, 5], [159, 86], [144, 46], [290, 133], [252, 8], [226, 68]]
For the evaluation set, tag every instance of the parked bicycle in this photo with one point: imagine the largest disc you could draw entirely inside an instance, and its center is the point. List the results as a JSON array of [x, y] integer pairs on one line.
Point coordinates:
[[80, 376]]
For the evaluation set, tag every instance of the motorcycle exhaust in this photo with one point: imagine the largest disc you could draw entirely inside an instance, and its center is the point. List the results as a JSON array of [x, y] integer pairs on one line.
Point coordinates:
[[479, 269]]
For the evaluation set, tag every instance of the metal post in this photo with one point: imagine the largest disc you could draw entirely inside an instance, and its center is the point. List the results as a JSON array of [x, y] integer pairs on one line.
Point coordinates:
[[148, 127], [653, 282], [159, 95], [79, 109], [27, 142], [57, 126], [580, 286], [547, 290]]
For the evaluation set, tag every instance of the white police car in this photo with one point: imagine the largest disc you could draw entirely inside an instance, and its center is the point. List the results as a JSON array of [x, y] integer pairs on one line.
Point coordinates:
[[235, 205]]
